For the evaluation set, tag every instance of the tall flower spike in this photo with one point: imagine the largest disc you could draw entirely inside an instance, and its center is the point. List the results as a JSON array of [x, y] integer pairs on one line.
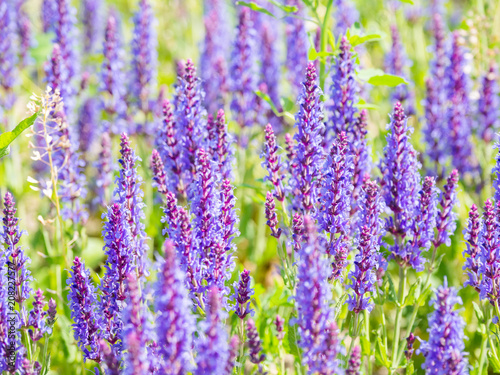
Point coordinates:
[[270, 67], [272, 162], [8, 55], [234, 347], [242, 294], [444, 352], [297, 231], [49, 14], [85, 314], [212, 346], [158, 169], [354, 362], [272, 218], [25, 32], [243, 71], [92, 24], [88, 123], [66, 35], [145, 56], [129, 194], [446, 220], [459, 110], [296, 46], [222, 150], [228, 219], [344, 92], [254, 343], [308, 149], [57, 76], [401, 180], [36, 318], [103, 166], [361, 159], [345, 15], [472, 251], [489, 105], [370, 231], [174, 322]]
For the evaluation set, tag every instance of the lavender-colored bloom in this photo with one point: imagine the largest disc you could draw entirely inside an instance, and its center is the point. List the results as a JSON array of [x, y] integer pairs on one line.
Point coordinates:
[[145, 56], [297, 231], [92, 24], [344, 93], [272, 162], [174, 321], [309, 152], [85, 314], [458, 114], [297, 45], [354, 362], [370, 232], [489, 105], [401, 181], [361, 159], [346, 15], [88, 123], [313, 294], [222, 152], [103, 166], [234, 346], [472, 252], [444, 352], [66, 36], [129, 194], [158, 169], [242, 294], [49, 15], [446, 220], [272, 218], [243, 71], [9, 45], [58, 78], [496, 174], [397, 63], [279, 322], [212, 346], [24, 31], [254, 343], [109, 358], [36, 318]]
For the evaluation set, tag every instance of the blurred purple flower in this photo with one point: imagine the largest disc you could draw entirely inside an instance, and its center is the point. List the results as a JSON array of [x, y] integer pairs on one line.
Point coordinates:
[[361, 159], [472, 253], [92, 17], [272, 162], [36, 318], [254, 343], [296, 46], [103, 167], [345, 16], [354, 362], [446, 220], [489, 105], [88, 123]]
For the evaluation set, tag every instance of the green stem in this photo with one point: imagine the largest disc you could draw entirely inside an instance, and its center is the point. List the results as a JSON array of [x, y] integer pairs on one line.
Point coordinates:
[[369, 362], [399, 313], [241, 335], [324, 29], [482, 355]]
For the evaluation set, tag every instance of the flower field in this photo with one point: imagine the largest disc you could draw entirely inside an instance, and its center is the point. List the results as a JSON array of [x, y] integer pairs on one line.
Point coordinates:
[[249, 187]]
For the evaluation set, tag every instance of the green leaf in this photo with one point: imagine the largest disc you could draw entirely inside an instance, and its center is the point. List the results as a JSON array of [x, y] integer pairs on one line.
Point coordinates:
[[8, 137], [378, 77], [255, 6], [407, 1], [364, 105], [268, 100], [381, 354], [413, 293], [313, 55], [293, 338], [365, 346], [286, 104], [478, 311], [356, 40], [494, 362], [391, 292], [284, 8]]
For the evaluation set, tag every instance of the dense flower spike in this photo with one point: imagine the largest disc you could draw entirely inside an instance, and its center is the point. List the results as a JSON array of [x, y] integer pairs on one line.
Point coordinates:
[[242, 294], [489, 105], [446, 220], [36, 318], [243, 71], [103, 166], [272, 218], [158, 169], [145, 56], [174, 322], [397, 63], [221, 146], [129, 194], [212, 346], [444, 351], [297, 231], [254, 343], [49, 14], [309, 152], [296, 46], [84, 311], [344, 93], [58, 78], [272, 162], [370, 232], [345, 16], [66, 36], [472, 251], [25, 33], [361, 158], [8, 345], [233, 353], [270, 66], [93, 25], [354, 362], [88, 123], [8, 55]]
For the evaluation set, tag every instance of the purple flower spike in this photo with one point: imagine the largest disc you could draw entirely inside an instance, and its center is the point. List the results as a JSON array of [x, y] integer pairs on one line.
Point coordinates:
[[254, 343], [159, 176], [129, 194], [489, 105], [345, 15], [297, 231], [8, 54], [109, 358], [344, 93], [88, 123], [308, 149], [243, 71], [49, 14], [227, 215], [58, 77], [472, 252], [174, 322], [410, 340], [242, 294], [83, 303], [446, 220], [212, 346], [234, 347], [222, 151], [273, 163], [103, 166], [93, 25], [279, 323], [354, 362], [296, 45], [272, 218], [270, 66], [36, 318], [361, 158], [25, 32], [370, 232], [145, 56], [444, 352]]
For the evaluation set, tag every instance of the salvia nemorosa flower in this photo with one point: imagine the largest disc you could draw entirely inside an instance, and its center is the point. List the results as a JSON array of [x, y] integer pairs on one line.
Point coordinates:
[[370, 231], [361, 158], [446, 219], [472, 252], [234, 346], [279, 322], [84, 310], [346, 15], [242, 294], [92, 24], [410, 340], [57, 77], [109, 358], [309, 152], [254, 343], [297, 231], [36, 318], [103, 166], [296, 46], [48, 15], [496, 174], [272, 162], [158, 169], [8, 54], [272, 218], [344, 92], [270, 66], [220, 145], [243, 71], [88, 123], [145, 56], [112, 76], [25, 33], [488, 121], [444, 351], [51, 312], [174, 321], [458, 115], [136, 330], [312, 297], [354, 362], [397, 63], [129, 194], [212, 345], [401, 180]]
